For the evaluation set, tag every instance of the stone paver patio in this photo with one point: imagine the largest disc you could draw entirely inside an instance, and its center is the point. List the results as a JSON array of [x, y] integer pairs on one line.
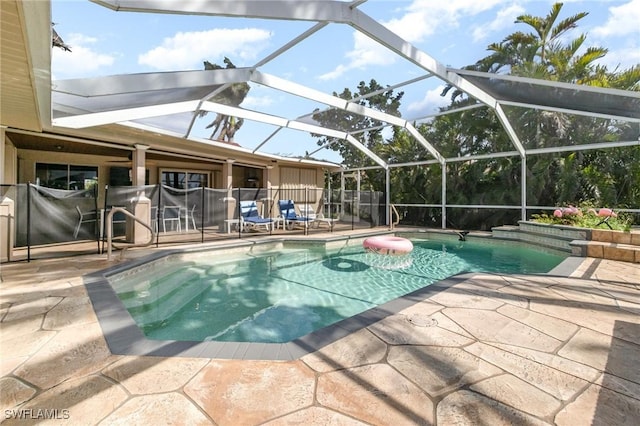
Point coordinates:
[[482, 349]]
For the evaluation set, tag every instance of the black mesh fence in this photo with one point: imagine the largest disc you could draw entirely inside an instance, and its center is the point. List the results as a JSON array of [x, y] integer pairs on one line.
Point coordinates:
[[47, 219], [54, 215]]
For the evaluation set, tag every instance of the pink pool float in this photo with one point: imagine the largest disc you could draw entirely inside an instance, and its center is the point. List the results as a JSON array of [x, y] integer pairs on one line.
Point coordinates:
[[388, 245]]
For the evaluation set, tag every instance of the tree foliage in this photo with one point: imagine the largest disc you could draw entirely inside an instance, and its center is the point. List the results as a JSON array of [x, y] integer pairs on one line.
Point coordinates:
[[544, 50], [346, 121]]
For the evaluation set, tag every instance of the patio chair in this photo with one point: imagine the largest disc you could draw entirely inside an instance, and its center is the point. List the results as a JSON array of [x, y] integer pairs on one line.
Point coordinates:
[[84, 217], [250, 218], [154, 218], [317, 219], [320, 219], [307, 210], [171, 214], [190, 218], [289, 215]]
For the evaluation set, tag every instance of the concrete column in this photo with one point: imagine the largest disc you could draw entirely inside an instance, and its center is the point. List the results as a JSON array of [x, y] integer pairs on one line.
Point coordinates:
[[227, 174], [138, 173], [7, 228], [227, 182], [140, 204], [267, 203], [7, 209]]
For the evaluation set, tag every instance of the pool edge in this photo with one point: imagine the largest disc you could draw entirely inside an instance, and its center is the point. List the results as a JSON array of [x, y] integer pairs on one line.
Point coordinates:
[[124, 337]]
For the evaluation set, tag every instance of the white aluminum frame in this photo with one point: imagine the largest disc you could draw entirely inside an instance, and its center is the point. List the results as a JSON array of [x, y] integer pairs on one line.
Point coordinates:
[[323, 13]]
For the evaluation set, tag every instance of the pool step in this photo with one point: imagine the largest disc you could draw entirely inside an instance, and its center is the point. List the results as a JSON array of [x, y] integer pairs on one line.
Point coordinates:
[[609, 250], [160, 299], [139, 277], [159, 288], [164, 309]]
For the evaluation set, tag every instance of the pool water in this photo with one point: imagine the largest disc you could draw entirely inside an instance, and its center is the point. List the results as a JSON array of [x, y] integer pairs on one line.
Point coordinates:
[[279, 296]]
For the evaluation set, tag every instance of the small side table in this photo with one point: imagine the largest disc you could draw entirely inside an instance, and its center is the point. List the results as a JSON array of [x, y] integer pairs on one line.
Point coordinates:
[[277, 222], [230, 222]]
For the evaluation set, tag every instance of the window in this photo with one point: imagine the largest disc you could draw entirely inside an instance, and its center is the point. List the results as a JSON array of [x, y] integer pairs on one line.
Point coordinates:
[[121, 176], [65, 176], [184, 179]]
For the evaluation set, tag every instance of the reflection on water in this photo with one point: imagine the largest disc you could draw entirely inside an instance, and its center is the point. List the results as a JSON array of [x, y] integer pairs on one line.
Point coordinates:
[[279, 296]]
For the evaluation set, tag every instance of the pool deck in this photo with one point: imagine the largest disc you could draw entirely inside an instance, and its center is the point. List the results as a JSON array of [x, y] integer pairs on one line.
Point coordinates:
[[475, 349]]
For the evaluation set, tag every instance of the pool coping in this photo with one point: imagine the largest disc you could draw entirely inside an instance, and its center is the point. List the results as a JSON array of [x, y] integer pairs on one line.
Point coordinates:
[[124, 337]]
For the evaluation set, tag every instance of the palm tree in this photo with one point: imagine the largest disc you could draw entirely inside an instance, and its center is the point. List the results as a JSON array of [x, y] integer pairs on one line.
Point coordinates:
[[546, 31], [233, 95]]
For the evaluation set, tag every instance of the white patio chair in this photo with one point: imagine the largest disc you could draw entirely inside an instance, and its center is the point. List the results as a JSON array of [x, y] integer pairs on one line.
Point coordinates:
[[189, 218], [171, 214], [84, 217], [154, 218]]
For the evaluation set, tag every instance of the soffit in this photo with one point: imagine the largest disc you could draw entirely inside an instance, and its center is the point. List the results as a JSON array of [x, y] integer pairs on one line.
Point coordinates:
[[18, 106], [55, 143], [25, 58]]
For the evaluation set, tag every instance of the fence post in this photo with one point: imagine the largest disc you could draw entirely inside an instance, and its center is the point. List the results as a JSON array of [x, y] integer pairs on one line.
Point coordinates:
[[28, 221], [239, 213], [95, 208], [202, 216], [371, 207], [103, 216], [158, 214], [387, 198], [353, 209]]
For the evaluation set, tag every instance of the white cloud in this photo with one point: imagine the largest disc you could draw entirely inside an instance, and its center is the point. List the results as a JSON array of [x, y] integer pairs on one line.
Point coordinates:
[[623, 58], [427, 17], [623, 20], [365, 52], [336, 73], [621, 35], [430, 103], [504, 19], [187, 50], [257, 101], [423, 18], [82, 61]]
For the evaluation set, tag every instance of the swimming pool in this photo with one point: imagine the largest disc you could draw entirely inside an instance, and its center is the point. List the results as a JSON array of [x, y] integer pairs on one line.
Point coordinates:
[[279, 295]]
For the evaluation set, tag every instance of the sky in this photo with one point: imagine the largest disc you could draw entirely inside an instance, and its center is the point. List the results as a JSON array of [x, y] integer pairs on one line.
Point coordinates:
[[454, 32]]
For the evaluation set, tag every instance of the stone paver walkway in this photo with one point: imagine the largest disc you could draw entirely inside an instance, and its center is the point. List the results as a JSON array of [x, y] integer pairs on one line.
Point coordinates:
[[483, 349]]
